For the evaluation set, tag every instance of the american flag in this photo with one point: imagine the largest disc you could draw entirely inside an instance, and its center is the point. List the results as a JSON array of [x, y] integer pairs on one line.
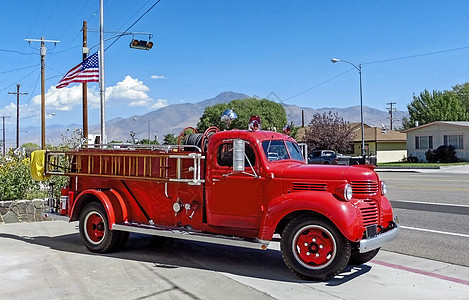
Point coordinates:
[[86, 71]]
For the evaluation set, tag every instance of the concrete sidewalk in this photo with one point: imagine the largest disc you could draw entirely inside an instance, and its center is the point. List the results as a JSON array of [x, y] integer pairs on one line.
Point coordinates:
[[47, 260]]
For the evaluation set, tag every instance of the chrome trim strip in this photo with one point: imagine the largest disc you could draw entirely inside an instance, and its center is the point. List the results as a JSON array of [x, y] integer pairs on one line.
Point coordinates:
[[192, 236], [379, 240]]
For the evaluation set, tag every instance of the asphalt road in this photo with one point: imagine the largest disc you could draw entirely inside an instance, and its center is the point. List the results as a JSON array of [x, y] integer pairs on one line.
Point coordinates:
[[433, 210]]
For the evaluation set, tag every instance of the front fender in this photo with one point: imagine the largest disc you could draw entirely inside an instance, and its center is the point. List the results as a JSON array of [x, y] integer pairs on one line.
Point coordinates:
[[112, 201], [345, 216], [386, 211]]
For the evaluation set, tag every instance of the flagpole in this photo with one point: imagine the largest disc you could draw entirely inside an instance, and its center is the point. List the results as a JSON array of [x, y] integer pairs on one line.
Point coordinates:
[[101, 73]]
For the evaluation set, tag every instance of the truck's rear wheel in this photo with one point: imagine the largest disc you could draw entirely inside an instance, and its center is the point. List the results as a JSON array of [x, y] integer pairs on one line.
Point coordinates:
[[360, 258], [314, 249], [95, 232]]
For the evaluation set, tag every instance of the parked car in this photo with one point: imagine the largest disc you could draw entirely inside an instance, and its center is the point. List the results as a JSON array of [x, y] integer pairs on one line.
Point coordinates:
[[328, 157]]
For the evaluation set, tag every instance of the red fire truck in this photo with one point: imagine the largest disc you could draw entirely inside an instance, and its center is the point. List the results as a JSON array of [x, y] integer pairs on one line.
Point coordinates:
[[234, 187]]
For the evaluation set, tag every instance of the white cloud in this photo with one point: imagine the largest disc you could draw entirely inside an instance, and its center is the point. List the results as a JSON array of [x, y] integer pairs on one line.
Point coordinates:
[[129, 88], [158, 77], [129, 92], [65, 99], [158, 103], [9, 111]]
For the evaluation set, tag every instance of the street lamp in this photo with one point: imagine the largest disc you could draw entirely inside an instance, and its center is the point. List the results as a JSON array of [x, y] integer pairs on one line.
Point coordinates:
[[148, 123], [359, 68]]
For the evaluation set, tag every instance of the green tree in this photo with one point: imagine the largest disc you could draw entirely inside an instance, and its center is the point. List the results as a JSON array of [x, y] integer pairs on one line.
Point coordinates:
[[329, 131], [170, 139], [272, 114], [30, 147], [437, 106], [462, 91], [147, 142]]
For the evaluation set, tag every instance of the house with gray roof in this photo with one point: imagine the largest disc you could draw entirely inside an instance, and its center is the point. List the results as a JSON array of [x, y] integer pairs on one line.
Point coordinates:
[[422, 138]]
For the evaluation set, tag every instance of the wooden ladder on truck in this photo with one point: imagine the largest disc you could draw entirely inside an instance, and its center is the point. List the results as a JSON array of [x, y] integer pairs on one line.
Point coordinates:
[[156, 163]]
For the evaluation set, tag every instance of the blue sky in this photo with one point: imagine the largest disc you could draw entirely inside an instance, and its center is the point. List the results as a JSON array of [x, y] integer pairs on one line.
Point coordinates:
[[258, 48]]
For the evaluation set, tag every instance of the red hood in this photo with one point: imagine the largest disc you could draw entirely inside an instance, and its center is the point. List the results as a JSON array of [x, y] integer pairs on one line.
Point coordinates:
[[326, 172]]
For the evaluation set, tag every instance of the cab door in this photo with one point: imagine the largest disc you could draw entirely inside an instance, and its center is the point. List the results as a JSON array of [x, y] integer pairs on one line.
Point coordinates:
[[234, 199]]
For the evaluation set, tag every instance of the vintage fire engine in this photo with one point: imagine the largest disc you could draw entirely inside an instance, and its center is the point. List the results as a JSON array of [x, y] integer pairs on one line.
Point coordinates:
[[233, 187]]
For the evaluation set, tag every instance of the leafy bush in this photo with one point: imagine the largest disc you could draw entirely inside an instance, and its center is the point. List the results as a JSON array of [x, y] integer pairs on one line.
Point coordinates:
[[444, 154], [15, 177]]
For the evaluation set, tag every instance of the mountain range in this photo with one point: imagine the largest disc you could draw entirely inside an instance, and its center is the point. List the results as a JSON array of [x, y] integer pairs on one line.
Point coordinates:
[[174, 118]]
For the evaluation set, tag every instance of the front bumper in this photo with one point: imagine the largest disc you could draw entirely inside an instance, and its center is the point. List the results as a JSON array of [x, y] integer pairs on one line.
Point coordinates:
[[369, 244]]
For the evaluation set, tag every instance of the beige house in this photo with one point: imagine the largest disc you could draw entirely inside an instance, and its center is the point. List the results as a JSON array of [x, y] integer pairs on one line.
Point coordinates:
[[386, 145], [432, 135]]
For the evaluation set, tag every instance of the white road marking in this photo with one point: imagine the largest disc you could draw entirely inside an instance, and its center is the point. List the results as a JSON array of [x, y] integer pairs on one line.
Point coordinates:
[[431, 203], [437, 231]]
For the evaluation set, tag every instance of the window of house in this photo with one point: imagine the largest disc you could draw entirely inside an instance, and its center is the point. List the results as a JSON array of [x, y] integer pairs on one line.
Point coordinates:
[[454, 140], [424, 142]]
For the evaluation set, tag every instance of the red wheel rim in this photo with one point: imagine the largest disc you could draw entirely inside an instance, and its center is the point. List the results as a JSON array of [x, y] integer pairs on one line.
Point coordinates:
[[94, 227], [314, 247]]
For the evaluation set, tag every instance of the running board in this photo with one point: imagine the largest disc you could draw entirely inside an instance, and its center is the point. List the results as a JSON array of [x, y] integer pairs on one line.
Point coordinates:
[[54, 216], [192, 235]]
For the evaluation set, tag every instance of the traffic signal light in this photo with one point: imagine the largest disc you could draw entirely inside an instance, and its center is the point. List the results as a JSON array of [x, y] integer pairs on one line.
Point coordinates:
[[140, 44]]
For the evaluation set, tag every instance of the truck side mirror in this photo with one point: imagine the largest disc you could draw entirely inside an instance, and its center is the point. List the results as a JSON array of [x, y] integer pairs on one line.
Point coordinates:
[[238, 155]]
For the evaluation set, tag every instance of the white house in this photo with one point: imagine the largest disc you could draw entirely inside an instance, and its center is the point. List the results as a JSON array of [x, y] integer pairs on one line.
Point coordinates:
[[432, 135]]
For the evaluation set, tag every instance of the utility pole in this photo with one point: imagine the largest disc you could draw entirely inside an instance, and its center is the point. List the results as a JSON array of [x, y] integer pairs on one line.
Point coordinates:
[[17, 113], [391, 110], [101, 73], [43, 51], [85, 84], [3, 117]]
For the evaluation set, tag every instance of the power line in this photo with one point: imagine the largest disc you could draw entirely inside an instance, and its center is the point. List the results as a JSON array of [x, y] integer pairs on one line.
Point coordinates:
[[134, 14], [122, 34], [34, 89], [416, 55], [28, 67], [318, 85], [18, 52], [18, 81], [66, 50], [381, 61]]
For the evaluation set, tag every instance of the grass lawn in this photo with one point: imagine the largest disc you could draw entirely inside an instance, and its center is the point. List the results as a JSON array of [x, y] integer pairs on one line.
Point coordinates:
[[419, 165]]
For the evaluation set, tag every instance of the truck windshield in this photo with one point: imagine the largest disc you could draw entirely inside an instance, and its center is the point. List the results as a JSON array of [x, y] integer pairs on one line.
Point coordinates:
[[277, 150]]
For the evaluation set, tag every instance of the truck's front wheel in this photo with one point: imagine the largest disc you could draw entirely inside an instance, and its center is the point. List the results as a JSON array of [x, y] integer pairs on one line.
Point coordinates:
[[361, 258], [314, 249], [95, 232]]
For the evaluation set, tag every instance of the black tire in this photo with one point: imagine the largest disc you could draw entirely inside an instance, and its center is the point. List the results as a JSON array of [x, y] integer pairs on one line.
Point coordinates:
[[314, 249], [95, 232], [360, 258]]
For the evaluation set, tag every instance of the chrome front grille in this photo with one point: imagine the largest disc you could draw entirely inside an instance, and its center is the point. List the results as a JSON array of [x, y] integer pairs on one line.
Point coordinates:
[[364, 187], [299, 186]]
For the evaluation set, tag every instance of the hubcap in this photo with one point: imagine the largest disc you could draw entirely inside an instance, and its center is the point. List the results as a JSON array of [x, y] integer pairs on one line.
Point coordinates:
[[314, 247], [94, 227]]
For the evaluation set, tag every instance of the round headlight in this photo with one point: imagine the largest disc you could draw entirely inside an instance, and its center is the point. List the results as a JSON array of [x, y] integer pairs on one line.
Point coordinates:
[[348, 193], [384, 188]]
